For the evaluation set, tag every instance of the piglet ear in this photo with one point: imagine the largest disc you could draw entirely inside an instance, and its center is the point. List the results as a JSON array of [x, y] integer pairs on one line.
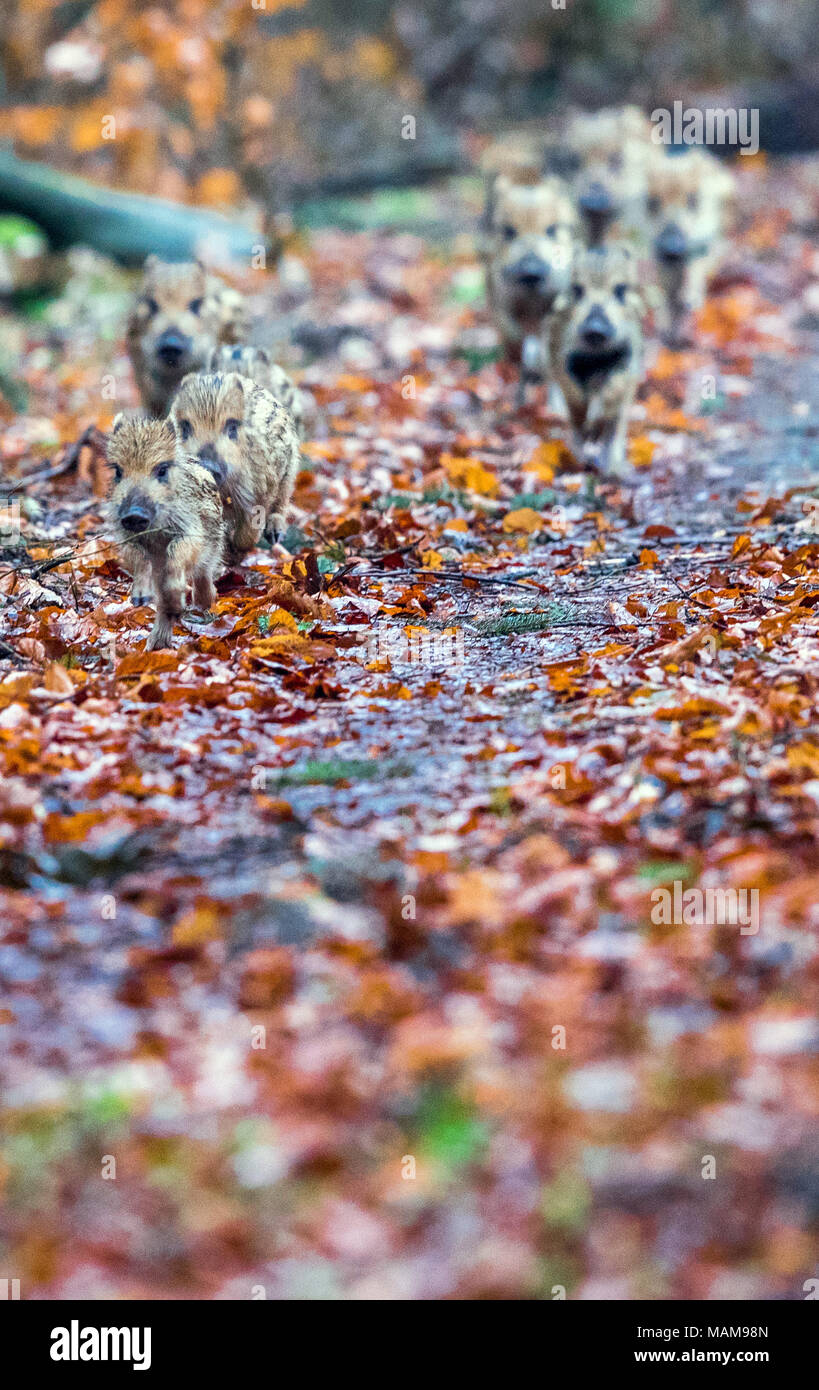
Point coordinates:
[[232, 395], [186, 384], [234, 387]]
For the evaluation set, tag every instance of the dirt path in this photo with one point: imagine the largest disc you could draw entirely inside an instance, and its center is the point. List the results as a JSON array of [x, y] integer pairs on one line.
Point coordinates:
[[334, 926]]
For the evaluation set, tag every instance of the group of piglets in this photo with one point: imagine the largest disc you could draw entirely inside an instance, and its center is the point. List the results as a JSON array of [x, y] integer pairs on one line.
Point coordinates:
[[209, 468], [587, 229], [572, 217]]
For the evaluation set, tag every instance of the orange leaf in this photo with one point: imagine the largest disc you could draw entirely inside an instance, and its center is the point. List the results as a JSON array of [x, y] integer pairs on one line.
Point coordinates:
[[279, 617], [219, 188], [280, 645], [65, 829], [36, 125], [15, 688], [86, 132], [57, 680], [197, 927], [138, 663], [524, 519], [804, 755], [641, 451], [469, 473]]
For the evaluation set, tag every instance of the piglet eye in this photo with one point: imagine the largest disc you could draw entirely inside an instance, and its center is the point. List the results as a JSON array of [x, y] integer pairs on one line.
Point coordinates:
[[185, 429], [195, 305], [151, 305], [620, 292], [552, 231], [654, 206], [117, 472], [231, 428], [162, 470], [693, 201], [509, 232], [615, 163], [578, 292]]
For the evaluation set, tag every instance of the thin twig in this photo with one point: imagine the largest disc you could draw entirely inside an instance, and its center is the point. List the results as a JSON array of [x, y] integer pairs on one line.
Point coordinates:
[[388, 554], [90, 437], [374, 559], [45, 565], [690, 598], [462, 576], [40, 567]]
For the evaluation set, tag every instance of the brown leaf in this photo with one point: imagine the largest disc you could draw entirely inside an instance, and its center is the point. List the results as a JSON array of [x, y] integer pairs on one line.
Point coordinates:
[[57, 680]]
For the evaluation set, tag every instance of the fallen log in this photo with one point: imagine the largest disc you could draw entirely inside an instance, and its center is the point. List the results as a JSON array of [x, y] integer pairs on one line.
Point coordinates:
[[125, 226]]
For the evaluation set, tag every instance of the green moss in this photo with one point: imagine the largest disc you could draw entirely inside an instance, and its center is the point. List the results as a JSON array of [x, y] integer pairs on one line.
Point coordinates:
[[664, 871], [534, 620], [450, 1133], [476, 358], [14, 229], [536, 500], [315, 773]]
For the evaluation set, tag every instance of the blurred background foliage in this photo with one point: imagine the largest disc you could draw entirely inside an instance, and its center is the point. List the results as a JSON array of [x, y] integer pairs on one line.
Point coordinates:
[[231, 101]]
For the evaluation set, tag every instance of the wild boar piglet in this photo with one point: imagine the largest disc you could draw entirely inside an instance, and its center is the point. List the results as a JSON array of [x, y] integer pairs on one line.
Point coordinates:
[[687, 204], [167, 518], [257, 364], [596, 346], [604, 156], [180, 314], [247, 440], [529, 252]]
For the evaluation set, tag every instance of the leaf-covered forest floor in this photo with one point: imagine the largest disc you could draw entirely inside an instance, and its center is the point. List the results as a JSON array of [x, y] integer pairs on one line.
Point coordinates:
[[332, 927]]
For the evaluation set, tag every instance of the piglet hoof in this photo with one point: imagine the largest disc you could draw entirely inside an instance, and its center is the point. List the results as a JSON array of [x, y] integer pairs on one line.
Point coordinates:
[[592, 460], [161, 634], [275, 528]]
